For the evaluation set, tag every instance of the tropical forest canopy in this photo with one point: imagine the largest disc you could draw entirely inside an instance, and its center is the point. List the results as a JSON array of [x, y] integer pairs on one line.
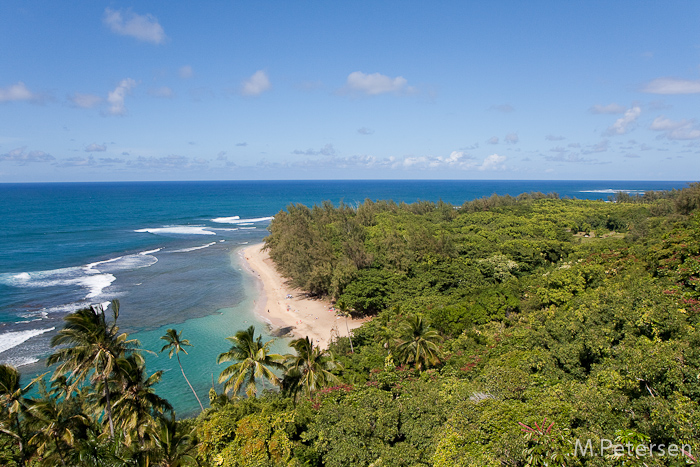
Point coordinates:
[[504, 331]]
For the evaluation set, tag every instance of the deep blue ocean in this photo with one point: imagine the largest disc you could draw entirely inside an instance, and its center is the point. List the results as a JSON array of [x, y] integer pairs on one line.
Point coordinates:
[[168, 252]]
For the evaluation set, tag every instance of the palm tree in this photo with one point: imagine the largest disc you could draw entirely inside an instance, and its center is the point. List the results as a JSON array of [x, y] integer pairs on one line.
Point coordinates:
[[175, 345], [419, 343], [59, 425], [13, 405], [90, 347], [175, 447], [137, 406], [95, 451], [254, 362], [310, 368]]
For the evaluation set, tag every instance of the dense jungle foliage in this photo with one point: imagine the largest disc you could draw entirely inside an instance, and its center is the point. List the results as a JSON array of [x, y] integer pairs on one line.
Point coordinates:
[[505, 332]]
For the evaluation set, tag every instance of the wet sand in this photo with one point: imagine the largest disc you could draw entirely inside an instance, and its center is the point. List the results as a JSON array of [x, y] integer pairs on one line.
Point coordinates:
[[289, 309]]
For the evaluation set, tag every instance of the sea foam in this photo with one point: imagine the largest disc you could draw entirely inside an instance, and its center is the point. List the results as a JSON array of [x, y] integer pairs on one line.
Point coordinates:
[[177, 230], [12, 339], [122, 263], [238, 220], [83, 277], [612, 191], [185, 250], [95, 277], [20, 361]]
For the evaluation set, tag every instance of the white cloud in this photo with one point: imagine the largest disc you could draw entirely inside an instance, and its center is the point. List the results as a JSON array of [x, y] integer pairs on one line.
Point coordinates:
[[598, 147], [256, 84], [665, 124], [492, 140], [565, 154], [94, 147], [456, 160], [116, 97], [85, 101], [607, 109], [142, 27], [162, 91], [22, 157], [680, 130], [511, 138], [493, 162], [622, 125], [111, 160], [365, 131], [567, 157], [562, 155], [327, 150], [173, 161], [376, 84], [185, 72], [76, 162], [16, 92], [685, 133], [672, 86]]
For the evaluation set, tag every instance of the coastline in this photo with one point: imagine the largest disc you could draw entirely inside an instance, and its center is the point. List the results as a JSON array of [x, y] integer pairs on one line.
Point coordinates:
[[288, 310]]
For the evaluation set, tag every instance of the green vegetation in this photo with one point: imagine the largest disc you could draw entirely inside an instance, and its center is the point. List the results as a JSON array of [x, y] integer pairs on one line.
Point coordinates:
[[254, 363], [505, 332]]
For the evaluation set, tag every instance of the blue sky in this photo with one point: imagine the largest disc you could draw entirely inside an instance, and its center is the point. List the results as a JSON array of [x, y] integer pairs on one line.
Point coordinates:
[[161, 90]]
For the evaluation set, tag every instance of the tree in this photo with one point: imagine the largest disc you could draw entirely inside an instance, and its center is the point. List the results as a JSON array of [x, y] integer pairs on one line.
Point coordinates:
[[254, 362], [310, 368], [174, 445], [175, 345], [137, 404], [90, 347], [59, 425], [13, 404], [419, 343]]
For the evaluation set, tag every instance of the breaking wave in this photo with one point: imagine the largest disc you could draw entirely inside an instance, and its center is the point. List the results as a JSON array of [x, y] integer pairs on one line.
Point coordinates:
[[612, 191], [12, 339], [95, 277], [177, 230], [238, 220], [185, 250]]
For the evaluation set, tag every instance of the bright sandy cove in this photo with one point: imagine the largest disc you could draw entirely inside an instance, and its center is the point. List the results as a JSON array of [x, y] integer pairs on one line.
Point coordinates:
[[306, 316]]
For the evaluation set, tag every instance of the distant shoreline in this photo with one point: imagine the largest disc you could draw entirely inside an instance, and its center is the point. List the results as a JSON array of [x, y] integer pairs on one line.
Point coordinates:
[[299, 315]]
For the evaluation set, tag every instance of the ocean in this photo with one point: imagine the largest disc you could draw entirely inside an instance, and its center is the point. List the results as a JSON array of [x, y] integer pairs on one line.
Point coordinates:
[[169, 252]]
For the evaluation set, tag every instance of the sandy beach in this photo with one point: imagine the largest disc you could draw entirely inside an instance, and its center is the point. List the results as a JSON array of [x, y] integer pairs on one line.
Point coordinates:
[[285, 307]]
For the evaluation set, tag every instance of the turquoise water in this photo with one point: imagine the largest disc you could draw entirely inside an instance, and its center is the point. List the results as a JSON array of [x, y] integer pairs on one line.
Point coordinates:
[[169, 252]]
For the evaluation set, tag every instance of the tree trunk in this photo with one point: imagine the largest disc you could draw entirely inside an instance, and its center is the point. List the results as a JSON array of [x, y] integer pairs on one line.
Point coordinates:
[[188, 383], [19, 441], [349, 337], [109, 411], [61, 455]]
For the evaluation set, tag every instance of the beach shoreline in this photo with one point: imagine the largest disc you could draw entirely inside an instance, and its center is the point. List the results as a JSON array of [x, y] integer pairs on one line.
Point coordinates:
[[288, 310]]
